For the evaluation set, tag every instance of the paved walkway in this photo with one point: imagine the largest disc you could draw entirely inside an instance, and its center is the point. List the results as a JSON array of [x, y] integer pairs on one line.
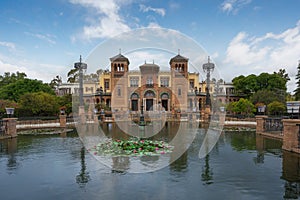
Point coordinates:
[[57, 125]]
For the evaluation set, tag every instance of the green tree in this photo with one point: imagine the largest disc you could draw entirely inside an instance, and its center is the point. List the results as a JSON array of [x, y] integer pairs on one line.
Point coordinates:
[[243, 106], [251, 84], [264, 96], [297, 90], [6, 104], [55, 82], [66, 102], [15, 90], [282, 73], [38, 104], [239, 84], [73, 75], [9, 78], [276, 107]]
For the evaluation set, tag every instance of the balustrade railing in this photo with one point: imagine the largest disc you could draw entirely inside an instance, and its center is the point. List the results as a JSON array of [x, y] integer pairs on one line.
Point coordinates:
[[3, 127], [273, 125]]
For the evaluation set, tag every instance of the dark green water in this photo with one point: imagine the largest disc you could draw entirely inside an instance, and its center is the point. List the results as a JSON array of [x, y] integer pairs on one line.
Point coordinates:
[[241, 166]]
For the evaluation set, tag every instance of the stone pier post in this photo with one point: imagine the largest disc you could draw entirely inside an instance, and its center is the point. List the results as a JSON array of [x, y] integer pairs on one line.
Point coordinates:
[[290, 134], [11, 126], [260, 123], [63, 121], [96, 121]]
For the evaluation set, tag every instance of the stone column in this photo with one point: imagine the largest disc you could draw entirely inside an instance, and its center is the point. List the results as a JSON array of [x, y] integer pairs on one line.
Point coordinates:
[[63, 121], [11, 126], [290, 134], [81, 114], [96, 118], [260, 123], [222, 117]]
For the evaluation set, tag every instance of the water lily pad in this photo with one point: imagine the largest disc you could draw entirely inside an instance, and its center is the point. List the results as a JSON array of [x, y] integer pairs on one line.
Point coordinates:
[[133, 146]]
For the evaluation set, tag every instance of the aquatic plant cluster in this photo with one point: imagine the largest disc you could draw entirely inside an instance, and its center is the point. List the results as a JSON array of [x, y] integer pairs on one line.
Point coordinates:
[[133, 146]]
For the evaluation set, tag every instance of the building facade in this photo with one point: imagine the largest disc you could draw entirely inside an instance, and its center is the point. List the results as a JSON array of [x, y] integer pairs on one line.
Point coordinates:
[[151, 89]]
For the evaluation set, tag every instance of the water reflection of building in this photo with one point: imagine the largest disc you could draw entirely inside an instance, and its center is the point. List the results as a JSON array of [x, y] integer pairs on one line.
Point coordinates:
[[291, 174], [83, 177], [290, 164], [9, 147]]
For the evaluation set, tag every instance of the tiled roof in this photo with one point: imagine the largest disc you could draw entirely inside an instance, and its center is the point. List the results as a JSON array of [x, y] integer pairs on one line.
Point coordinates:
[[119, 57], [179, 58]]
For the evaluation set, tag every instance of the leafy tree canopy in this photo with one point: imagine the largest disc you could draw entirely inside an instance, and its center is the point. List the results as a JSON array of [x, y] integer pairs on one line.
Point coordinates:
[[66, 102], [15, 90], [9, 78], [251, 84], [55, 82], [38, 104], [276, 107], [297, 90], [265, 97], [243, 106]]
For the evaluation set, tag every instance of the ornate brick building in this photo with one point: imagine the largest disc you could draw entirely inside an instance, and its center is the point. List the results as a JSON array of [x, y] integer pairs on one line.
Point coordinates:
[[149, 87]]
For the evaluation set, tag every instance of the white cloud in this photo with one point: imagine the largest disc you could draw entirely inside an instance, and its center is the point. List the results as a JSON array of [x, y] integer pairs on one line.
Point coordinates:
[[34, 70], [9, 45], [46, 37], [233, 6], [268, 53], [108, 22], [153, 25], [159, 11], [242, 51]]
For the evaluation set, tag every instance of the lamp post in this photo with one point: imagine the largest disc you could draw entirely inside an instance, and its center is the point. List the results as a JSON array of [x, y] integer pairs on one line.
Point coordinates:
[[9, 111], [102, 114], [142, 118], [101, 94], [208, 68], [80, 66]]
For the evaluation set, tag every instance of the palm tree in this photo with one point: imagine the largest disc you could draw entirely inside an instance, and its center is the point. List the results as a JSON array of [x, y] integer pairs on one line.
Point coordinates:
[[73, 75]]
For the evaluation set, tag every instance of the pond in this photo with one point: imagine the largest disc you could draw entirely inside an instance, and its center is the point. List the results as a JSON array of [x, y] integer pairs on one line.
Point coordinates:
[[240, 166]]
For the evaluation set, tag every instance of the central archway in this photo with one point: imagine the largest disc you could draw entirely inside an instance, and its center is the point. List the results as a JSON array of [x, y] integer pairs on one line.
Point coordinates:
[[149, 97], [165, 101]]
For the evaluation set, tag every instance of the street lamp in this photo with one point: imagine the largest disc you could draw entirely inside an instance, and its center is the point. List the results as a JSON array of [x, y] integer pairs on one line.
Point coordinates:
[[80, 66], [142, 118], [208, 68], [101, 94], [9, 111]]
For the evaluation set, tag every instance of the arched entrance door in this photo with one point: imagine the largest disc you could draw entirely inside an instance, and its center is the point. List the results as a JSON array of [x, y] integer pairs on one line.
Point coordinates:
[[165, 101], [149, 96], [134, 102]]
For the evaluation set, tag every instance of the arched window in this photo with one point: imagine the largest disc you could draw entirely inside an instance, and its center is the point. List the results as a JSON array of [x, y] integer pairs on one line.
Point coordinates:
[[149, 94], [165, 96], [134, 96]]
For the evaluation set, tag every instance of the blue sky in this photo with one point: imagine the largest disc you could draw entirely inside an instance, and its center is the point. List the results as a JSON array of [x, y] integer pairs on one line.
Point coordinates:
[[44, 38]]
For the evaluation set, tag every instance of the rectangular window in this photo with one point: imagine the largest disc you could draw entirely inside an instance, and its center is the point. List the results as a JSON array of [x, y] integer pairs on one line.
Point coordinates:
[[149, 82], [179, 91], [134, 81], [192, 85], [164, 81], [119, 92], [106, 84]]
